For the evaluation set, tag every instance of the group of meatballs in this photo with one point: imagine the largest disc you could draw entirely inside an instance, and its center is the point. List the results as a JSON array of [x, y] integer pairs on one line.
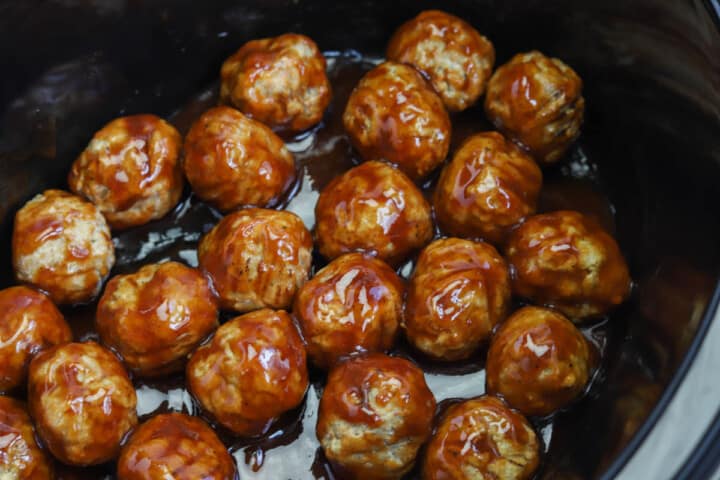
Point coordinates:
[[376, 410]]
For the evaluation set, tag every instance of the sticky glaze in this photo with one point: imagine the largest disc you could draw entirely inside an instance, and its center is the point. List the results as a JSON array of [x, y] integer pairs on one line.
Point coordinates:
[[455, 57], [290, 448], [393, 114], [130, 170], [279, 81], [353, 305]]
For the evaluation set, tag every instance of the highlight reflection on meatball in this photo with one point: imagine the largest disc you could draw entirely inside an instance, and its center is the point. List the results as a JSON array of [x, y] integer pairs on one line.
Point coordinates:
[[375, 413], [565, 260], [372, 208], [352, 305], [155, 317], [538, 361], [257, 258], [176, 446], [279, 81], [233, 161], [537, 101], [131, 170], [489, 186], [393, 114], [449, 51], [458, 292], [61, 244], [20, 455], [29, 323], [482, 438], [82, 402], [252, 371]]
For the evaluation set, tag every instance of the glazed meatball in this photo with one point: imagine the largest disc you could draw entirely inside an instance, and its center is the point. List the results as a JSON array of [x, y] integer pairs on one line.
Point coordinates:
[[458, 292], [537, 101], [131, 170], [373, 208], [257, 258], [539, 361], [155, 317], [61, 244], [29, 323], [82, 402], [450, 52], [566, 261], [279, 81], [20, 456], [177, 446], [252, 371], [375, 413], [489, 186], [233, 161], [482, 438], [352, 305], [393, 114]]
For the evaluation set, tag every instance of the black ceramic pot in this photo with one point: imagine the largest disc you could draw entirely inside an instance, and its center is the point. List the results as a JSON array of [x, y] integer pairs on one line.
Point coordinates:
[[650, 147]]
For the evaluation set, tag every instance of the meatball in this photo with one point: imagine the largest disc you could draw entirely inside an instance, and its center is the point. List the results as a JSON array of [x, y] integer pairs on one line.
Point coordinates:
[[352, 305], [82, 402], [482, 438], [375, 413], [61, 244], [489, 186], [233, 161], [393, 114], [29, 323], [539, 361], [455, 58], [20, 456], [155, 317], [458, 292], [257, 258], [176, 446], [279, 81], [131, 170], [566, 261], [537, 101], [252, 371], [372, 208]]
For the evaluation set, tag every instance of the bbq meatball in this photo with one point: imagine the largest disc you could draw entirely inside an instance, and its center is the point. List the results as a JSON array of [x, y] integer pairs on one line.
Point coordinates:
[[20, 456], [29, 323], [537, 101], [375, 413], [566, 261], [177, 446], [279, 81], [458, 292], [482, 438], [538, 361], [82, 401], [372, 208], [155, 317], [352, 305], [257, 258], [252, 371], [61, 244], [489, 186], [233, 161], [455, 58], [393, 114], [131, 170]]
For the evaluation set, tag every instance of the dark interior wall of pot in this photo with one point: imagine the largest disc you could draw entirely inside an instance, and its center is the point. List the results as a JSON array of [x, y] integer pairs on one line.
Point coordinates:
[[651, 72]]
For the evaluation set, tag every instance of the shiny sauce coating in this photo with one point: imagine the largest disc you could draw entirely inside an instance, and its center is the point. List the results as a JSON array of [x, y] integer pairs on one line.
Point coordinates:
[[290, 448]]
